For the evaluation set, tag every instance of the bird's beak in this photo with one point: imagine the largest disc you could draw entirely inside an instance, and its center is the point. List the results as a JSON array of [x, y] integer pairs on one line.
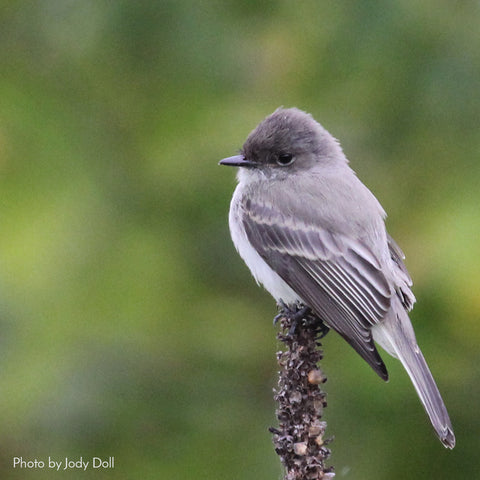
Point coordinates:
[[237, 161]]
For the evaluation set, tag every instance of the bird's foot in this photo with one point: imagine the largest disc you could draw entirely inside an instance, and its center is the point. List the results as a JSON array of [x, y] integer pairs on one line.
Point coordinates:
[[294, 313], [300, 315]]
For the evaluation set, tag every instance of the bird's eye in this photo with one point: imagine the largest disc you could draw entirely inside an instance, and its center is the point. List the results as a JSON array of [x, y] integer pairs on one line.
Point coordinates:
[[285, 159]]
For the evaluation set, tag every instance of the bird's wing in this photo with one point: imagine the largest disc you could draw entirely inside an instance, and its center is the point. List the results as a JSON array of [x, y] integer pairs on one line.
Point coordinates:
[[339, 278], [404, 281]]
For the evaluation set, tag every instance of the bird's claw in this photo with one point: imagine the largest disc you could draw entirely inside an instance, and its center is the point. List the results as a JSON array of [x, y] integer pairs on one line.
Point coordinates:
[[300, 313]]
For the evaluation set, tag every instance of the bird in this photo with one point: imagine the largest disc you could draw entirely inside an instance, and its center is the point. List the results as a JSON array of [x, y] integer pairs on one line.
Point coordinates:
[[313, 234]]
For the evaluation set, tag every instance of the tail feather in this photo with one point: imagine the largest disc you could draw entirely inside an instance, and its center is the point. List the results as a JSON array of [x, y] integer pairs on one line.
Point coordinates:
[[397, 337]]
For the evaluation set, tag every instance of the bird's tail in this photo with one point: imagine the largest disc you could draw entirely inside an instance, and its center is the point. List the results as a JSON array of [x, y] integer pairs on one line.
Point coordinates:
[[396, 336]]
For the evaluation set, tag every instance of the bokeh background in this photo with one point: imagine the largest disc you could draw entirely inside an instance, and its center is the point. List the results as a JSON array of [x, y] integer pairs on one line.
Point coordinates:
[[129, 327]]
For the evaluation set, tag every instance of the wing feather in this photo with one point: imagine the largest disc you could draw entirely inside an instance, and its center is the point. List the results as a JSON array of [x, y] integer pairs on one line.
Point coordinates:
[[404, 281], [339, 278]]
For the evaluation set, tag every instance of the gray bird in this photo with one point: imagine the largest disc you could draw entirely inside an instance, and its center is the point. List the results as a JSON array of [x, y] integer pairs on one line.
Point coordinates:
[[311, 233]]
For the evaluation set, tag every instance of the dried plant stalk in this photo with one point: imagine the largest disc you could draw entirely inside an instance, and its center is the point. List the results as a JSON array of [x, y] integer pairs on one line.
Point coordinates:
[[300, 439]]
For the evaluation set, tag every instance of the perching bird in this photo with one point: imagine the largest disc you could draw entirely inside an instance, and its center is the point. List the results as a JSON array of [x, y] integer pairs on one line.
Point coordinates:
[[311, 233]]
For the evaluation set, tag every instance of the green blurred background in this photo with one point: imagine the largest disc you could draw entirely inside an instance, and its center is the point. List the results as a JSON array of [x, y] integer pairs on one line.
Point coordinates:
[[129, 327]]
